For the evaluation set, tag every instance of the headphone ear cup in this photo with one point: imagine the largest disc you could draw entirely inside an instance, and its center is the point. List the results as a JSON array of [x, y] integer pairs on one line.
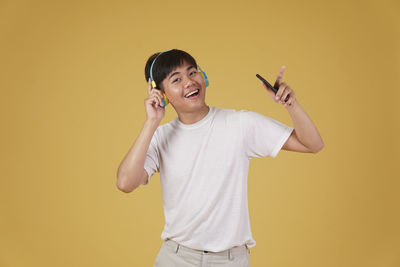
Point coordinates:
[[165, 99], [205, 78]]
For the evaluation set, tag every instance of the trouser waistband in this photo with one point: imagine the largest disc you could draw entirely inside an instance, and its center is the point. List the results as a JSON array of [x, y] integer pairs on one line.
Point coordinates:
[[234, 250]]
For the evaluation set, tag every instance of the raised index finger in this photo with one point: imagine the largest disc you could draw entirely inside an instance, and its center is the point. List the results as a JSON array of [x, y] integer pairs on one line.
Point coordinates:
[[279, 77]]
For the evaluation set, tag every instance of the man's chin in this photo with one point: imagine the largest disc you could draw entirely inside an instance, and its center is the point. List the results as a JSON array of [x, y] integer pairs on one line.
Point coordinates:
[[191, 107]]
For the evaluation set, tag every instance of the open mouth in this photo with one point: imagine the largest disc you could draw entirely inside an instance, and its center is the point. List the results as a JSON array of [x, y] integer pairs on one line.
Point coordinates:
[[192, 94]]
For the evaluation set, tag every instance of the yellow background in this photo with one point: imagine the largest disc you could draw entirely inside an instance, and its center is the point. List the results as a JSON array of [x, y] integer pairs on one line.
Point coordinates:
[[72, 103]]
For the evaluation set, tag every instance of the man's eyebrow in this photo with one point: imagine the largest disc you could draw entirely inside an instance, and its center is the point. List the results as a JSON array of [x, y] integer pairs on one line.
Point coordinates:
[[188, 68]]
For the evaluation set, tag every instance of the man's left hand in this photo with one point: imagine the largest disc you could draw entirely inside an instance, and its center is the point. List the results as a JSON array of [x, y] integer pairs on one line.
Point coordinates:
[[284, 91]]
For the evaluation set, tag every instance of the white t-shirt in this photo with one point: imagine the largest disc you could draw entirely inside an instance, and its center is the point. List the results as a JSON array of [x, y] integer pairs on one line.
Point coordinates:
[[203, 170]]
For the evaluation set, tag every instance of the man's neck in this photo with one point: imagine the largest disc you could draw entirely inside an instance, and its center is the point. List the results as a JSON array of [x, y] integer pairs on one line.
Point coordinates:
[[195, 116]]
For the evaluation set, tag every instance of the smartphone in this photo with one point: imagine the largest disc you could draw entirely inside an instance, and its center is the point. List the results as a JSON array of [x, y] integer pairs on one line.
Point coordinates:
[[270, 86]]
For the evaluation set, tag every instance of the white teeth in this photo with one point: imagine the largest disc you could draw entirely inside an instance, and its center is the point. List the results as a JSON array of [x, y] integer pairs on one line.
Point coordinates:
[[192, 93]]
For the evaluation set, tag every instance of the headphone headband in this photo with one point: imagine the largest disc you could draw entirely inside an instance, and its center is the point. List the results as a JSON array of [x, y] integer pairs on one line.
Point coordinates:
[[153, 83]]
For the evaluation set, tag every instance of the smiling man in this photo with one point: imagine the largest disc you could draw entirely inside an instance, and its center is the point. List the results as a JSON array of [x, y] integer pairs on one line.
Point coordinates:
[[203, 158]]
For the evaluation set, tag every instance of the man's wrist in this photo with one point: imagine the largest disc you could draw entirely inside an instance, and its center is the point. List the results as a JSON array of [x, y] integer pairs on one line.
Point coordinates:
[[293, 105], [153, 123]]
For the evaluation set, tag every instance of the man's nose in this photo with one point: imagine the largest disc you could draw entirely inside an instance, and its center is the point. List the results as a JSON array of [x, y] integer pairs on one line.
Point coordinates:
[[188, 82]]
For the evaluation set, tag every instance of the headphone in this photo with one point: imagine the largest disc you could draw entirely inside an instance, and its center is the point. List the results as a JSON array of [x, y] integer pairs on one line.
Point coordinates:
[[153, 83]]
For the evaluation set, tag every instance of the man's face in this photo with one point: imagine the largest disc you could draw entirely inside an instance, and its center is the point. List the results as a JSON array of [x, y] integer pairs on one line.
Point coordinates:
[[179, 86]]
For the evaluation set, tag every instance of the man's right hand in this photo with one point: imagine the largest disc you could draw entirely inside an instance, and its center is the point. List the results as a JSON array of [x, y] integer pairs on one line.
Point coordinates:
[[154, 105]]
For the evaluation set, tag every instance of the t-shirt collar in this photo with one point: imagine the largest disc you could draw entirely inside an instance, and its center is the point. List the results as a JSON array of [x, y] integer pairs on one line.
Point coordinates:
[[196, 124]]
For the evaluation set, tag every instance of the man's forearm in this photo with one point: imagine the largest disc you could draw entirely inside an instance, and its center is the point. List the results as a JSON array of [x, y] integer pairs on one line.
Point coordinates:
[[306, 131], [131, 167]]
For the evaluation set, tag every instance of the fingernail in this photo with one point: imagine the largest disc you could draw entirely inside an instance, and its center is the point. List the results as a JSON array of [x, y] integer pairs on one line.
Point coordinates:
[[277, 97]]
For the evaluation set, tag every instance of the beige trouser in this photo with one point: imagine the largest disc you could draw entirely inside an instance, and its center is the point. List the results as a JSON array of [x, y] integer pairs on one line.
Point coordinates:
[[174, 255]]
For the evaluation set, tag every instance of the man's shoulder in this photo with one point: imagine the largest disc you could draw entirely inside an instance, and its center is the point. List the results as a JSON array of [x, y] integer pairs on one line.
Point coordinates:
[[167, 126]]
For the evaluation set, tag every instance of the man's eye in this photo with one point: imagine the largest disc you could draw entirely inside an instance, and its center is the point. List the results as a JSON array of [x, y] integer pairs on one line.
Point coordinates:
[[176, 80], [193, 72]]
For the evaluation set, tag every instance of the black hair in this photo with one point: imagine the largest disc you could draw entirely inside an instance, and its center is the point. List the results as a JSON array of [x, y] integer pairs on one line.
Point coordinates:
[[166, 63]]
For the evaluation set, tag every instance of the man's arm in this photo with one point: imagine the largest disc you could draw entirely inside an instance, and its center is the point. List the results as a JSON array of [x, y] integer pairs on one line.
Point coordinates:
[[131, 172], [305, 136]]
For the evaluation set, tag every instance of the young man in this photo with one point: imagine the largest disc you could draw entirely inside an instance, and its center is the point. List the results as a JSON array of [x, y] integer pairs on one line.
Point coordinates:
[[203, 159]]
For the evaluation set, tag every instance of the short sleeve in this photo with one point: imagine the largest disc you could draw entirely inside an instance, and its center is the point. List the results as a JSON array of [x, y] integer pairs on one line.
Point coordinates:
[[151, 164], [263, 136]]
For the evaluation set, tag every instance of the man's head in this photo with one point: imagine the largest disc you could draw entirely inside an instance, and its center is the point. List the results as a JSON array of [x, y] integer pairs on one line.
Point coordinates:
[[175, 73]]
